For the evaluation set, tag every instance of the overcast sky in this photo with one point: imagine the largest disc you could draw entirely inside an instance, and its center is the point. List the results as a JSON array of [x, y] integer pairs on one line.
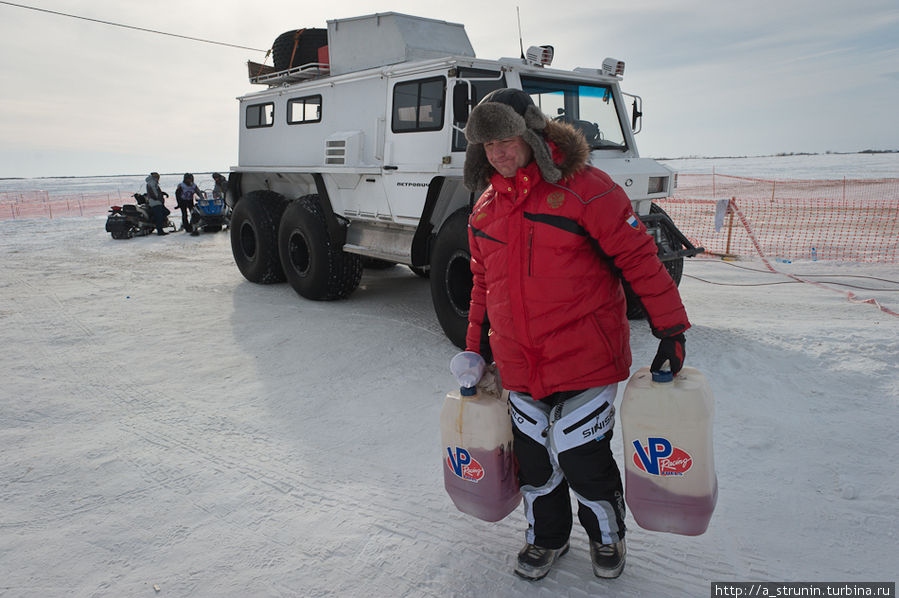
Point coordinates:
[[753, 77]]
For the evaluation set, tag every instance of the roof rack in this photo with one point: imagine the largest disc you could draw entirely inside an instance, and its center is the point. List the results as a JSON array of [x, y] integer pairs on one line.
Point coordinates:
[[263, 74]]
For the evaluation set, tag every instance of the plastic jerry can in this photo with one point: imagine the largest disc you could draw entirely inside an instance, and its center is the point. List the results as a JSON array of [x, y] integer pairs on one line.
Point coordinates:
[[479, 469], [670, 480]]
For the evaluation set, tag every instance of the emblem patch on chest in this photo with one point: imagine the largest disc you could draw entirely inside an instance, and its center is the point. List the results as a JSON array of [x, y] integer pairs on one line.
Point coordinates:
[[555, 199]]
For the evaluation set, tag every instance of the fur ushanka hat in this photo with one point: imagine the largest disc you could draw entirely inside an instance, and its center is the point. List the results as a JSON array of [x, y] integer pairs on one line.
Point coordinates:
[[502, 114]]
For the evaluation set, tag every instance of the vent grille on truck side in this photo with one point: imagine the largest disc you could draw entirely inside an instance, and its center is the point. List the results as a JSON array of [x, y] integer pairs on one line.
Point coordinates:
[[335, 151]]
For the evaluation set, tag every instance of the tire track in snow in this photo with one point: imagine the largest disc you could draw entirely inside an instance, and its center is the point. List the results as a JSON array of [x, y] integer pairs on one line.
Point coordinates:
[[42, 310]]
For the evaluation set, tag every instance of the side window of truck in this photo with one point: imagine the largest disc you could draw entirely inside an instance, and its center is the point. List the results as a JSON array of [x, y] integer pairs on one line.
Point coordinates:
[[418, 105], [260, 115], [304, 110]]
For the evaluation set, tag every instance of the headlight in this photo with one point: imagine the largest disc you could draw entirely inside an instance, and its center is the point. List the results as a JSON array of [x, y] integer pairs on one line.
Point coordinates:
[[658, 184]]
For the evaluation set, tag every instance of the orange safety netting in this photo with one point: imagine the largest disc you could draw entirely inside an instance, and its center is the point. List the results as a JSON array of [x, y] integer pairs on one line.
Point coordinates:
[[15, 205], [845, 220]]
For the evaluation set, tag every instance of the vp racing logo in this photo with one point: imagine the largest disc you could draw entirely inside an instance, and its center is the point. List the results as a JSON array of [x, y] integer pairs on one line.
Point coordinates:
[[659, 458], [463, 465]]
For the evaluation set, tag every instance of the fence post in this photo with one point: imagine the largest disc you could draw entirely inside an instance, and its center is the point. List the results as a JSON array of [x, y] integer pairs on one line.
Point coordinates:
[[730, 225], [751, 234]]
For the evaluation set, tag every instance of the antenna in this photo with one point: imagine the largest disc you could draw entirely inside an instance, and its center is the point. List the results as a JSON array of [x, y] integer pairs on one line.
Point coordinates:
[[520, 42]]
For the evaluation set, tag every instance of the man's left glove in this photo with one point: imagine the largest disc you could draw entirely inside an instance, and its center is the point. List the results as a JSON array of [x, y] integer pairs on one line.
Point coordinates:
[[671, 349]]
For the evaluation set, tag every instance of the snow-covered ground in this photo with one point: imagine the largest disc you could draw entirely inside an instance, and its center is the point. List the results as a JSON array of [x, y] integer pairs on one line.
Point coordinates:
[[166, 424]]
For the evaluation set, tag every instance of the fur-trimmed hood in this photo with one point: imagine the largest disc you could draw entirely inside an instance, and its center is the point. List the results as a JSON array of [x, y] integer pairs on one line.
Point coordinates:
[[566, 153]]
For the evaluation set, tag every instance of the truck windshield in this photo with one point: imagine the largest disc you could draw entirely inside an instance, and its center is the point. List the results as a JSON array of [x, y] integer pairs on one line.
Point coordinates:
[[590, 108]]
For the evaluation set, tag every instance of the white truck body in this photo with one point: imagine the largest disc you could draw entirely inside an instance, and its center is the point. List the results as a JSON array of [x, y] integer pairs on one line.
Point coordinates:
[[373, 135]]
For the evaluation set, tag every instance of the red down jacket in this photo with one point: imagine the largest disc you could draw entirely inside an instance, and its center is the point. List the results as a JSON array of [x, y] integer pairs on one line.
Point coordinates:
[[546, 294]]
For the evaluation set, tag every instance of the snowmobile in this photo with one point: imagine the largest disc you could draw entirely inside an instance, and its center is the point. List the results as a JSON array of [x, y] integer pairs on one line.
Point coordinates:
[[210, 214], [130, 220]]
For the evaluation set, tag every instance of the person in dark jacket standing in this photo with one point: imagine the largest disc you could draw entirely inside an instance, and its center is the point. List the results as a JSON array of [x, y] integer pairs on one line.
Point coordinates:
[[156, 202], [550, 239], [220, 187], [185, 196]]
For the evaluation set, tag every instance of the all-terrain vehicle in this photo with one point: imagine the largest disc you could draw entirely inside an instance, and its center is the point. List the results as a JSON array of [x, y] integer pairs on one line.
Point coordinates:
[[353, 154], [209, 214], [132, 220]]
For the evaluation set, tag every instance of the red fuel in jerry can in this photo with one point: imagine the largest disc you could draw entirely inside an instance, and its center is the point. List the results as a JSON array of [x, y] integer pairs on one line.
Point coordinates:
[[670, 480], [479, 470]]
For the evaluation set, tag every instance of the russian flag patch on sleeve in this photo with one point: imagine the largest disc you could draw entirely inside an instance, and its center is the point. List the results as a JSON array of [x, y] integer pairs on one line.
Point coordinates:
[[633, 222]]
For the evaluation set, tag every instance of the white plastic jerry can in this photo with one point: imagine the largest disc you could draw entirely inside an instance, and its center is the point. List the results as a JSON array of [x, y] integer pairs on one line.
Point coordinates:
[[670, 480], [479, 471]]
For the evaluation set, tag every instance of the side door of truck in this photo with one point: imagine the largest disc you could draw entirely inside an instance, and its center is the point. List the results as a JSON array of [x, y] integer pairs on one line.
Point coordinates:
[[417, 139]]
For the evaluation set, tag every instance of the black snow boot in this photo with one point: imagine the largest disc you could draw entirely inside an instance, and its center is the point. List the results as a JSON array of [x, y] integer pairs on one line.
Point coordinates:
[[608, 559], [535, 562]]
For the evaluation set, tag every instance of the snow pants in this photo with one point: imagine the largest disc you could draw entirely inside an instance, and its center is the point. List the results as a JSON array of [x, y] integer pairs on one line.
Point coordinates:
[[158, 214], [561, 442], [186, 206]]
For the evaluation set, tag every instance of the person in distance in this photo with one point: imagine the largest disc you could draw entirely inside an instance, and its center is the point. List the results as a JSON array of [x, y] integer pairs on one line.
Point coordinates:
[[156, 202]]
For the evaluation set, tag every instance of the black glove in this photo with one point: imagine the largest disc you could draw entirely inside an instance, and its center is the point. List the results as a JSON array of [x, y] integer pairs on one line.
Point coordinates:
[[671, 349]]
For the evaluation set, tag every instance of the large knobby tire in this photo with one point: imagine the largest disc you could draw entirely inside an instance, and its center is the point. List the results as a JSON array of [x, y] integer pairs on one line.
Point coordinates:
[[450, 276], [300, 45], [674, 267], [313, 265], [254, 236], [282, 49]]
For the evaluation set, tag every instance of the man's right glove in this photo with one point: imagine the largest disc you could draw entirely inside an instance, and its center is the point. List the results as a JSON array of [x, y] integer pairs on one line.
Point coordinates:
[[671, 349]]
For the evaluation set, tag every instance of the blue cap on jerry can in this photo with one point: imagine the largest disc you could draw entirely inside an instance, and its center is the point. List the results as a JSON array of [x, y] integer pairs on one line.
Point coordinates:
[[662, 376]]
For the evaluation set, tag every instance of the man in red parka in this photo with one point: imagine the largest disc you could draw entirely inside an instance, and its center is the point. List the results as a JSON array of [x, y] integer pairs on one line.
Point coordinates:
[[550, 239]]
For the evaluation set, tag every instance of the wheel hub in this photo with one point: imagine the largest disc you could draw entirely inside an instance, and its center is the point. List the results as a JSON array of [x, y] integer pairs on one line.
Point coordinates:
[[248, 240], [458, 282], [298, 252]]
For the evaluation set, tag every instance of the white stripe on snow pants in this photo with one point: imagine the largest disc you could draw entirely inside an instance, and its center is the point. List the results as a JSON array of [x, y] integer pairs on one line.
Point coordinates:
[[562, 444]]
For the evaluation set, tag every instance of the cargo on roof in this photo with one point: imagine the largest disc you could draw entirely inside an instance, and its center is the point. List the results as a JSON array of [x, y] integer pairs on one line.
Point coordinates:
[[359, 43]]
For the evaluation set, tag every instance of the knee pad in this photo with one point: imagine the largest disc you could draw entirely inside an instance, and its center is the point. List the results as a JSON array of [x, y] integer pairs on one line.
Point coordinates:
[[583, 418], [530, 417]]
